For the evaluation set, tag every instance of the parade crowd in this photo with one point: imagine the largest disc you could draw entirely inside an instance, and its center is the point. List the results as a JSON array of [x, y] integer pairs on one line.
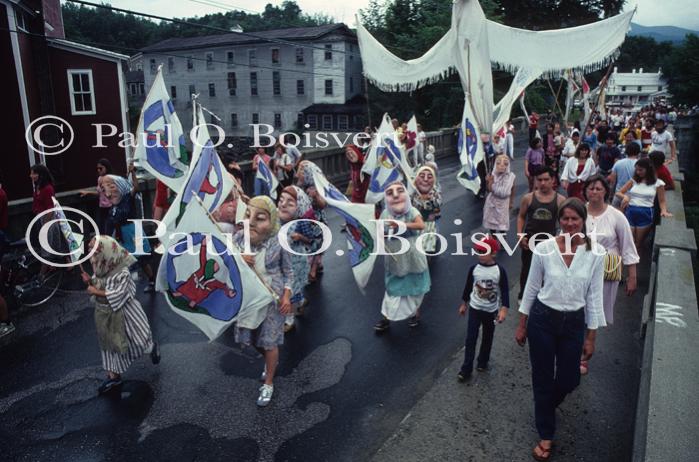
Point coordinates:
[[608, 177]]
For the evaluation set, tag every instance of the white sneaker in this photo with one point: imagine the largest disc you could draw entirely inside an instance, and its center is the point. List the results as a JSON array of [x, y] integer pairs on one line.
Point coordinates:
[[6, 328], [265, 395]]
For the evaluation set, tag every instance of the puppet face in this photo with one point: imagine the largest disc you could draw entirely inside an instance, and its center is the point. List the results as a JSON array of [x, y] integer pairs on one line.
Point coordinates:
[[424, 181], [260, 224], [110, 190], [396, 198], [287, 207], [351, 155], [501, 164]]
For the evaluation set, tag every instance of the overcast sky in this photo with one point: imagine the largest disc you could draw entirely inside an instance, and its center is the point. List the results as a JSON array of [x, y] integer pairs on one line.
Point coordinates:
[[681, 13]]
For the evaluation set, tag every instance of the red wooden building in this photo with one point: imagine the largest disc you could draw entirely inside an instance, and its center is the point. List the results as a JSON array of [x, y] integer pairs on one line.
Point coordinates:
[[45, 75]]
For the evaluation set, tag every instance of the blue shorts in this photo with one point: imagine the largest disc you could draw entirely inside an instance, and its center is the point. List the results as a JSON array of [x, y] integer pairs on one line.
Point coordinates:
[[639, 217]]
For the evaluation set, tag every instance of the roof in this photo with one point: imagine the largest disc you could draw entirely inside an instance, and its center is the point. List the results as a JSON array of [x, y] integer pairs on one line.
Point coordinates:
[[239, 38], [86, 49], [637, 78]]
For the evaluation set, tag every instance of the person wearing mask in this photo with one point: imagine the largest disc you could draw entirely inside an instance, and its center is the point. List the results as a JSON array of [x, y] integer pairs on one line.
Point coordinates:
[[559, 322]]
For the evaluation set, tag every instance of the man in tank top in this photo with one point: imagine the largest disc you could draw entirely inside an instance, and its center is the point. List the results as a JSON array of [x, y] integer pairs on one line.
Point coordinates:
[[538, 213]]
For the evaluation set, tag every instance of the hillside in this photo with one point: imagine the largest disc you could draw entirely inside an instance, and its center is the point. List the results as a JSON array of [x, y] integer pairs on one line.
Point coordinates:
[[661, 33]]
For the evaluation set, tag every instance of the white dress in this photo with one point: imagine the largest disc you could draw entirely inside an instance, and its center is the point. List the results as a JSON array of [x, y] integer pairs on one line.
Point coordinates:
[[612, 231]]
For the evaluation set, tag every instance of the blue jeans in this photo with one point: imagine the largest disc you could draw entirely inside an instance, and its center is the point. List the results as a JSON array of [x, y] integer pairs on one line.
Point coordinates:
[[555, 346], [476, 318]]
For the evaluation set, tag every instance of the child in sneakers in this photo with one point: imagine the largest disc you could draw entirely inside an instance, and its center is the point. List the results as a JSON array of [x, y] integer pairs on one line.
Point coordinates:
[[486, 299]]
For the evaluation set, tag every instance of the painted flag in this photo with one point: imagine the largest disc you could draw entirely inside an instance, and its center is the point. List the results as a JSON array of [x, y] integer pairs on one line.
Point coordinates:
[[470, 150], [206, 281], [361, 231], [74, 240], [160, 143], [265, 174], [587, 110], [206, 178], [384, 163], [411, 140]]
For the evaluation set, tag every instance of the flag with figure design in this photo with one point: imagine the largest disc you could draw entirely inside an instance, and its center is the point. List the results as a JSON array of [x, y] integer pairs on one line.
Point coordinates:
[[206, 281], [470, 149], [361, 230], [206, 179], [265, 174], [385, 162], [160, 142]]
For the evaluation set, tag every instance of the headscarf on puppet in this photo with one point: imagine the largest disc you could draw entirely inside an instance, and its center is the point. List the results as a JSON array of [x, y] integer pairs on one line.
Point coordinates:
[[304, 208], [502, 179]]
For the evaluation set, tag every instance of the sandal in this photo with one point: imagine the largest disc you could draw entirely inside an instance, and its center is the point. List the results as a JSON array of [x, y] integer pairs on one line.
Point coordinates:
[[584, 367], [545, 452]]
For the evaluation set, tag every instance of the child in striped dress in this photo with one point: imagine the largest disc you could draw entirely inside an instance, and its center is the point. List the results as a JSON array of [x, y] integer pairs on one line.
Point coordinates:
[[112, 289]]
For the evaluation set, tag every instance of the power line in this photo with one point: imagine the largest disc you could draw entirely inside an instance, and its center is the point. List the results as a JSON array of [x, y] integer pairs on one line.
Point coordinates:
[[224, 6]]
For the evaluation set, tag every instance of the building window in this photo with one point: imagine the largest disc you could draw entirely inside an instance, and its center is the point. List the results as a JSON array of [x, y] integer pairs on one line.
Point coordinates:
[[300, 87], [255, 118], [153, 66], [328, 52], [82, 95], [210, 60], [343, 122], [327, 122], [232, 83], [212, 90], [21, 20], [192, 90], [660, 88], [275, 56], [299, 56], [252, 57], [230, 59], [312, 120], [171, 65], [351, 85], [173, 92], [234, 120], [276, 84], [253, 83], [623, 88], [132, 89], [277, 120], [639, 88], [299, 121], [190, 63], [329, 87]]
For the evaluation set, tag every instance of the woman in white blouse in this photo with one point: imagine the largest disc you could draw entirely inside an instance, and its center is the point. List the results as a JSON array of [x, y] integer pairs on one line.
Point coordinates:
[[577, 170], [609, 227], [563, 294]]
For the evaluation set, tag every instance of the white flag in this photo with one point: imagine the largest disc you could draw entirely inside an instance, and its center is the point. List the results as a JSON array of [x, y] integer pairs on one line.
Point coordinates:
[[160, 143], [470, 148]]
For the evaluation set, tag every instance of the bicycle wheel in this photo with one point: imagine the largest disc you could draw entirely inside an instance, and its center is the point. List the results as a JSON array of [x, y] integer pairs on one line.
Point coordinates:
[[39, 289]]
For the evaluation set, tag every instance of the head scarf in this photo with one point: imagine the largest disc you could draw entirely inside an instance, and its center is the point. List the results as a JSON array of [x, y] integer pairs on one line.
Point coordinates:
[[266, 204], [303, 202], [502, 184], [408, 202], [110, 257], [306, 167], [122, 185]]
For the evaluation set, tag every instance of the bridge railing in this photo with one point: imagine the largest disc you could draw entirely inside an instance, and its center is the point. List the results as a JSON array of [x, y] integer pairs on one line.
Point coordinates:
[[667, 412]]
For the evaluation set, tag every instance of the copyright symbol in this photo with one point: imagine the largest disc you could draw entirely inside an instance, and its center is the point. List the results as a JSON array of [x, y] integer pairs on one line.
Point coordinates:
[[49, 133], [57, 216]]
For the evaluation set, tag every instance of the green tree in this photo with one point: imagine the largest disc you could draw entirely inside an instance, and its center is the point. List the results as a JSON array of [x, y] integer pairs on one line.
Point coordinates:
[[681, 68]]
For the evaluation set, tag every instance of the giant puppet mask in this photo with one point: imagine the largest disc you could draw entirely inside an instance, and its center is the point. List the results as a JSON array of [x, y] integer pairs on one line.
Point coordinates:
[[425, 180], [397, 199], [263, 219]]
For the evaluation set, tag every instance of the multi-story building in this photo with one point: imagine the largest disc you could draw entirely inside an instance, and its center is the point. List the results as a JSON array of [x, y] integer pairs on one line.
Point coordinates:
[[269, 77], [631, 91]]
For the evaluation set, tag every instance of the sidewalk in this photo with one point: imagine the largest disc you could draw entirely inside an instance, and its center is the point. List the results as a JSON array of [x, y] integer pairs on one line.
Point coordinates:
[[491, 417]]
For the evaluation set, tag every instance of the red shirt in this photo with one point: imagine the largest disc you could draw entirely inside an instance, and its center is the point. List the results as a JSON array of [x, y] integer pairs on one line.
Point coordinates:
[[3, 209], [42, 199], [664, 174]]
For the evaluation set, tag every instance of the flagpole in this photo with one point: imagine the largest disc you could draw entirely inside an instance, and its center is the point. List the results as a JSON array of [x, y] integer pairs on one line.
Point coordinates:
[[208, 214]]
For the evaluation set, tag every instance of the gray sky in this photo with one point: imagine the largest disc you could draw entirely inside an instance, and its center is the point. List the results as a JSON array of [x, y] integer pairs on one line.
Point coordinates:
[[681, 13]]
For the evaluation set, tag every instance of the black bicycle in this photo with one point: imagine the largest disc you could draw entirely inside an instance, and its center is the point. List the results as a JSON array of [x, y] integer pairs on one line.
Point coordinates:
[[21, 279]]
